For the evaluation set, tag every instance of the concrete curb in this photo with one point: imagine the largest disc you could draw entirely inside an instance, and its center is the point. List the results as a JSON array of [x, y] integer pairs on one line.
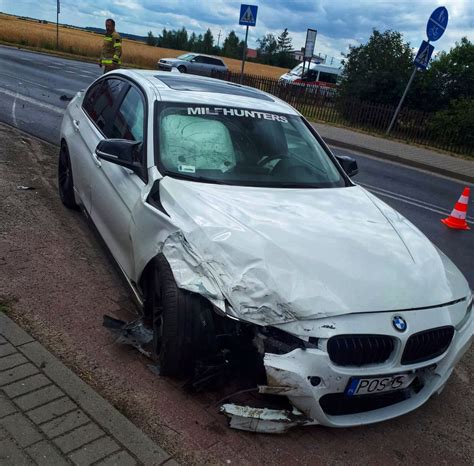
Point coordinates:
[[97, 408], [402, 160]]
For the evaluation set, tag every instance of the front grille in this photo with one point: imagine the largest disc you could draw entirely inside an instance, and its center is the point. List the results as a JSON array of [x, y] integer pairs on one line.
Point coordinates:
[[358, 350], [427, 345], [338, 404]]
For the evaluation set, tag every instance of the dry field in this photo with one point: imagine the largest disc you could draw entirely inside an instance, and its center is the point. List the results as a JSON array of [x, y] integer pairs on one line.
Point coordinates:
[[88, 44]]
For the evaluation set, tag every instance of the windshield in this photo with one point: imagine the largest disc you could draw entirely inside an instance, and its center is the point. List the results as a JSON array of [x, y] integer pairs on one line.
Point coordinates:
[[298, 70], [186, 57], [243, 147]]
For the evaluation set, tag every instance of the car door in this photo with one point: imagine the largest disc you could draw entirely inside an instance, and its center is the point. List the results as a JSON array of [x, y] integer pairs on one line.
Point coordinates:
[[196, 65], [207, 66], [219, 66], [88, 122], [115, 189]]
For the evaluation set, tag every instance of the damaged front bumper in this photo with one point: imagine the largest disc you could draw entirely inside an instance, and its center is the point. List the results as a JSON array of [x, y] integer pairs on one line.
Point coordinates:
[[316, 387]]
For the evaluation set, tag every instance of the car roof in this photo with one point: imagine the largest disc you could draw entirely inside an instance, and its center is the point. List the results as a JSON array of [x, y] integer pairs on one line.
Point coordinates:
[[192, 89], [202, 55]]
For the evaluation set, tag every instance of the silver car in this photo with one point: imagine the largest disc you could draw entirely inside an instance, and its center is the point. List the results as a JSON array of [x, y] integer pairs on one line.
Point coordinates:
[[194, 63]]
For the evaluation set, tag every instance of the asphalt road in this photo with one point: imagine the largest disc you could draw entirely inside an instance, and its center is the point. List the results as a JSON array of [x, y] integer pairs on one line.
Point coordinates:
[[32, 84]]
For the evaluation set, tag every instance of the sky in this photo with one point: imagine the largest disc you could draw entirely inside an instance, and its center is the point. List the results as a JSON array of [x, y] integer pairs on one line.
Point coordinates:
[[339, 23]]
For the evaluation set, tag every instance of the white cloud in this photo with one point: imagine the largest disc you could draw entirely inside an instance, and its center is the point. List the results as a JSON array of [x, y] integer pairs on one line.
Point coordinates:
[[339, 22]]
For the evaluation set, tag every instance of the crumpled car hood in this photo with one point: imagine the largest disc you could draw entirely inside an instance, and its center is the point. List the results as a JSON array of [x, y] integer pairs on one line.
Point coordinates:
[[271, 256]]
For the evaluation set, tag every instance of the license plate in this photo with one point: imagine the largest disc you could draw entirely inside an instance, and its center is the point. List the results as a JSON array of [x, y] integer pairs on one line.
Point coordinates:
[[373, 385]]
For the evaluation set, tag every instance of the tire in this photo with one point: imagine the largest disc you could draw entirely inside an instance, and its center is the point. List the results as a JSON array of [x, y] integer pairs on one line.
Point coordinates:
[[182, 69], [65, 179], [183, 327]]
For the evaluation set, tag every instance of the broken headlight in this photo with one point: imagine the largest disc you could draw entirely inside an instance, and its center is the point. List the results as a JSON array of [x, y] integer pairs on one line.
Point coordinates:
[[467, 316], [277, 341]]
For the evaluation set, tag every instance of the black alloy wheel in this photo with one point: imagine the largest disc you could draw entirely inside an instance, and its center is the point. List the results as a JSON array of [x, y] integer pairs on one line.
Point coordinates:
[[65, 180]]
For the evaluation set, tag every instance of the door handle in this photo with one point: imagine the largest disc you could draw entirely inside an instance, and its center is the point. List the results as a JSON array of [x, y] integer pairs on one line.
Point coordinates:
[[76, 124], [96, 159]]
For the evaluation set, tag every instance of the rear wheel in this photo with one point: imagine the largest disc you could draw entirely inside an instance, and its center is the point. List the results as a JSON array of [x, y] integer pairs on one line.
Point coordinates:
[[65, 180], [183, 327]]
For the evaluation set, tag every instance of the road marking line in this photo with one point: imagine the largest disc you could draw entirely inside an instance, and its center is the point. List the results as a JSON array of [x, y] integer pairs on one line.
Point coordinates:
[[400, 195], [413, 202], [15, 123], [30, 100], [24, 81], [411, 199]]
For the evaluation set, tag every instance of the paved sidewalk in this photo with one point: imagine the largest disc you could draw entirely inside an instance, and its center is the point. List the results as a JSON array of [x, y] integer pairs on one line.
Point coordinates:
[[48, 416], [419, 157]]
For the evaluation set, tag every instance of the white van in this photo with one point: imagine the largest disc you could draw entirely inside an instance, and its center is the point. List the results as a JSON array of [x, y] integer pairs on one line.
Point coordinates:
[[315, 74]]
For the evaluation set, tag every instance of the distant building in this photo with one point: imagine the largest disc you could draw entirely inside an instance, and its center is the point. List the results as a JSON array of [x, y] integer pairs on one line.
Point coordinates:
[[251, 53], [299, 55]]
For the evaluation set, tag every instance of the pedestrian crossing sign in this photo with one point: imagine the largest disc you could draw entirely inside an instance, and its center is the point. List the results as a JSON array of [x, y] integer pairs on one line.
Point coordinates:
[[248, 15], [424, 54]]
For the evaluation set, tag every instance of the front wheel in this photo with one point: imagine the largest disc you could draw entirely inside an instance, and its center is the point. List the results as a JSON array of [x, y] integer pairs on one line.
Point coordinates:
[[65, 180], [182, 69], [183, 327]]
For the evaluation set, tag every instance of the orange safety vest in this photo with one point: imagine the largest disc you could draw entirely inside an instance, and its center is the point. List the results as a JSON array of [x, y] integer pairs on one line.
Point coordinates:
[[111, 50]]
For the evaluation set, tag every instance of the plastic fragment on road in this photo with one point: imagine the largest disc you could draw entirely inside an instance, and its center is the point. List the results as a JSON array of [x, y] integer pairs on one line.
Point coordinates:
[[25, 188], [133, 333], [263, 420], [457, 217]]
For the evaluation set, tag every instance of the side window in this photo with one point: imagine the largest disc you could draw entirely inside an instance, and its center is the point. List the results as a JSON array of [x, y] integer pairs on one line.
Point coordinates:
[[100, 100], [198, 59], [328, 77], [312, 75], [129, 121]]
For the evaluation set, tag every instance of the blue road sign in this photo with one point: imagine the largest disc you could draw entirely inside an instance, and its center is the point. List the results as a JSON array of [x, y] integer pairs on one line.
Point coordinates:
[[248, 15], [437, 23], [423, 56]]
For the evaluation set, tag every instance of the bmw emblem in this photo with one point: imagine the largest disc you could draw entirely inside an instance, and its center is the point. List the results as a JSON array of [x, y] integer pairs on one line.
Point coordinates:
[[399, 323]]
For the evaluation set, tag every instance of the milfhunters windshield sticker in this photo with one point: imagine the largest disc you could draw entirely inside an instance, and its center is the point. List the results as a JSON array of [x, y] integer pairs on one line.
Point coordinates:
[[236, 112]]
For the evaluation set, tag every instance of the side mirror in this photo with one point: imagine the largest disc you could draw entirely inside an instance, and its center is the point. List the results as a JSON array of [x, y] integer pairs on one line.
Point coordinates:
[[348, 164], [122, 152]]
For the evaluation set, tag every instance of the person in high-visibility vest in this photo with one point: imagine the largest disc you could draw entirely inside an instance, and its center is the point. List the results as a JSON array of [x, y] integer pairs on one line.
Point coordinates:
[[111, 57]]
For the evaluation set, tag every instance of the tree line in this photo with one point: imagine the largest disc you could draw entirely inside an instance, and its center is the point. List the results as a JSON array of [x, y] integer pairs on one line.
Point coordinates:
[[378, 72], [271, 50]]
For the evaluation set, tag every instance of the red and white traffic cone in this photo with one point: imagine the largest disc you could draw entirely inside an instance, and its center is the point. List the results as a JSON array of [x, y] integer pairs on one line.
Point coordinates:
[[457, 218]]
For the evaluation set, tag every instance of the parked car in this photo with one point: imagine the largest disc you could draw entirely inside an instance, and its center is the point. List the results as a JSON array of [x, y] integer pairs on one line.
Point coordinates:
[[193, 63], [243, 238], [315, 75]]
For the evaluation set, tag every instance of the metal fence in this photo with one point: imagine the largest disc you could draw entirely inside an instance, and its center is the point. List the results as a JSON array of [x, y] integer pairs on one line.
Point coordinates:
[[323, 105]]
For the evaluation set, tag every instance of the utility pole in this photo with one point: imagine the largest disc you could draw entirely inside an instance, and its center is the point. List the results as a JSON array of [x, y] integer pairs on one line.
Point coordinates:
[[218, 38], [58, 8]]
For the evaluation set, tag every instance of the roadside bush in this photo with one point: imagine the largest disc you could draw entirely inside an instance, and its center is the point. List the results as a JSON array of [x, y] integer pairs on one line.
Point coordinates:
[[456, 123]]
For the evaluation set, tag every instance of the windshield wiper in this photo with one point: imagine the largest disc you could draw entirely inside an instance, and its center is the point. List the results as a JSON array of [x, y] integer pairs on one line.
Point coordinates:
[[201, 179]]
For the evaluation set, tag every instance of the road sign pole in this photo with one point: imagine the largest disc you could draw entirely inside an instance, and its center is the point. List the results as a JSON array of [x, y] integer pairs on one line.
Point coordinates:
[[244, 54], [401, 101], [57, 25]]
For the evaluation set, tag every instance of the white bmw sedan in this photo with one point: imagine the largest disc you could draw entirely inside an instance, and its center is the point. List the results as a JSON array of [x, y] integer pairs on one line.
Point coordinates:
[[243, 238]]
